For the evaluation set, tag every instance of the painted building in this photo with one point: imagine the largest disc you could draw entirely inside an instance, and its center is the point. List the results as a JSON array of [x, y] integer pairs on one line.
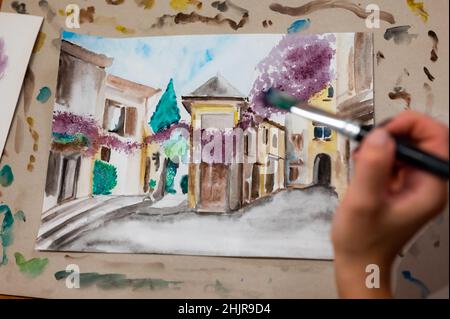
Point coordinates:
[[118, 106], [264, 160], [214, 186], [124, 114], [315, 154]]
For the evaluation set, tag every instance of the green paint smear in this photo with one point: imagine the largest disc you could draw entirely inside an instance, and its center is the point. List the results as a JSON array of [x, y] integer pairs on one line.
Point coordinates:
[[184, 184], [218, 287], [6, 232], [6, 176], [117, 281], [152, 184], [176, 148], [62, 138], [105, 178], [171, 172], [44, 94], [33, 267], [167, 111], [20, 216]]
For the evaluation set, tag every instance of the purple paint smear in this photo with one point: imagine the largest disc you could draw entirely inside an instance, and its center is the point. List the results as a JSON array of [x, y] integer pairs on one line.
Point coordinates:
[[71, 124], [3, 58], [299, 65]]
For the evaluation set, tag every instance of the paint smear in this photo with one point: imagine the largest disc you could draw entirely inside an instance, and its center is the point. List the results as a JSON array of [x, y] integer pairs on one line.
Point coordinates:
[[428, 74], [217, 287], [118, 281], [299, 25], [429, 103], [434, 56], [33, 267], [87, 15], [51, 14], [418, 8], [380, 57], [317, 5], [400, 93], [6, 232], [40, 41], [183, 5], [424, 291], [3, 58], [31, 162], [115, 2], [20, 216], [44, 94], [125, 30], [267, 23], [34, 134], [147, 4], [28, 89], [19, 135], [19, 7], [6, 176], [183, 18], [400, 34], [222, 6]]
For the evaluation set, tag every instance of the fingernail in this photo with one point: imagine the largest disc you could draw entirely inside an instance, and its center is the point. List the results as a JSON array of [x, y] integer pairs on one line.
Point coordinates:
[[378, 137]]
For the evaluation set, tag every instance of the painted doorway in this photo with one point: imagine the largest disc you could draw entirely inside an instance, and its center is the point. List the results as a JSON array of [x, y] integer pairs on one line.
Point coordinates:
[[213, 187], [69, 178], [322, 170]]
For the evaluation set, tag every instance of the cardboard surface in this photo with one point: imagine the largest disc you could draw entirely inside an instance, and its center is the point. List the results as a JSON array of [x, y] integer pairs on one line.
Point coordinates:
[[426, 258]]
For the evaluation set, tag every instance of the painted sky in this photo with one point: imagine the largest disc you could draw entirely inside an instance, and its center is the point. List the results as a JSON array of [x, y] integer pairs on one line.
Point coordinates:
[[189, 60]]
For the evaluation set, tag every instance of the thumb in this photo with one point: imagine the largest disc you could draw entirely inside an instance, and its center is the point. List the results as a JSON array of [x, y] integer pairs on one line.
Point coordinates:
[[373, 167]]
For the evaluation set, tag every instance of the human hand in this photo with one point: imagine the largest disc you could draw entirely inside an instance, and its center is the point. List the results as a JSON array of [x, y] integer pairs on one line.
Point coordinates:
[[386, 203]]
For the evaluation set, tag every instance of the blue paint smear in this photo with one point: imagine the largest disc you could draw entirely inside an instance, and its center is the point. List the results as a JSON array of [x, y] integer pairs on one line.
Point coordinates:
[[44, 94], [299, 25], [424, 291]]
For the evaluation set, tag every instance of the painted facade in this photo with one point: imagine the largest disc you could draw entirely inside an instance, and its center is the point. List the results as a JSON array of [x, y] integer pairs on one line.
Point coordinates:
[[119, 106]]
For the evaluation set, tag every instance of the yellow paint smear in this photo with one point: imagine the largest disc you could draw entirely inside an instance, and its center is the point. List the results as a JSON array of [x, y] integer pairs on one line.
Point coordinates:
[[418, 9], [182, 5], [40, 41], [124, 29]]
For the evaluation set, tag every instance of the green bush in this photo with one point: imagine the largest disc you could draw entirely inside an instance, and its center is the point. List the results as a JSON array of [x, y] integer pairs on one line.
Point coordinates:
[[105, 178]]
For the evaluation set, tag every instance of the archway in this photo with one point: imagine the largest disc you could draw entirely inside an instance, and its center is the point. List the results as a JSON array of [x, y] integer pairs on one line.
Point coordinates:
[[322, 170]]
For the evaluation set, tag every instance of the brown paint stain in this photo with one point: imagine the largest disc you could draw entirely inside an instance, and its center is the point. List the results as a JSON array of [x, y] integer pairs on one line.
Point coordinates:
[[28, 89], [125, 30], [363, 61], [317, 5], [115, 2], [434, 56], [380, 57], [19, 135], [31, 161], [428, 74], [183, 18], [267, 23], [87, 15], [400, 93], [34, 134], [51, 14]]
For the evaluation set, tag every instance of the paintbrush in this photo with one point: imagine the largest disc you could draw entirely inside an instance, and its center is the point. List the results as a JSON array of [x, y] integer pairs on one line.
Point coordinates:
[[405, 152]]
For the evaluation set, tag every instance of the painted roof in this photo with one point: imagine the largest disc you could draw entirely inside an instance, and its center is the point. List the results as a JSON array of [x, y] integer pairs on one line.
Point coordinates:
[[217, 86]]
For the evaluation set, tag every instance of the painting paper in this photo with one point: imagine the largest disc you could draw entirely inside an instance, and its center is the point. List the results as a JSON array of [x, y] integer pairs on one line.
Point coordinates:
[[17, 35], [165, 144]]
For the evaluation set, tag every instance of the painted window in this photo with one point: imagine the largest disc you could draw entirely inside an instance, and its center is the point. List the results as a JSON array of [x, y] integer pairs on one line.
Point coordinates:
[[106, 154], [120, 119], [322, 133]]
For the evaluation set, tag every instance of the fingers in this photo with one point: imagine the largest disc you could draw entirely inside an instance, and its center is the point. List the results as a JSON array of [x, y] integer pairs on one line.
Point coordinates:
[[374, 165], [428, 134]]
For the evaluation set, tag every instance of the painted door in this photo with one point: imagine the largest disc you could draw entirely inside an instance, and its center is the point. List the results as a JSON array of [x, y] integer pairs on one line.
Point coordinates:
[[213, 187], [70, 171]]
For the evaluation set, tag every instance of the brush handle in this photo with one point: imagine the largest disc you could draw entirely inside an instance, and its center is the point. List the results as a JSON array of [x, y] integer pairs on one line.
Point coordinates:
[[415, 157]]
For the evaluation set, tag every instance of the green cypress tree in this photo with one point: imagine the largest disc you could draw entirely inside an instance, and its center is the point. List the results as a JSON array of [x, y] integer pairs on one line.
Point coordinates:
[[167, 111]]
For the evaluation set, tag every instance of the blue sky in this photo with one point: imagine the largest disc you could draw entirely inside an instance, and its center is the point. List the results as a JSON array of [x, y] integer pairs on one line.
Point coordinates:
[[189, 60]]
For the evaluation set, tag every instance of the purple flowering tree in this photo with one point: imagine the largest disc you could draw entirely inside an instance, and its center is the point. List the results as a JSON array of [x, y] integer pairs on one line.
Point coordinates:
[[300, 65]]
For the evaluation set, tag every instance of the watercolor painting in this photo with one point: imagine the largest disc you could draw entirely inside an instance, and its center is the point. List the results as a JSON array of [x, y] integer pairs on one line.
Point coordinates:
[[164, 144], [15, 52]]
